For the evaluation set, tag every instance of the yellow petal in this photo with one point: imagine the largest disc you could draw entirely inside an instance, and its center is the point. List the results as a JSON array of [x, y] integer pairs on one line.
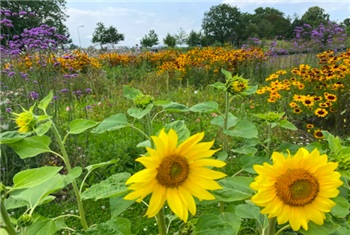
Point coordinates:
[[191, 141], [188, 199], [206, 183], [157, 201], [208, 162], [142, 176], [198, 191], [294, 218], [176, 204], [313, 214], [206, 173], [149, 162]]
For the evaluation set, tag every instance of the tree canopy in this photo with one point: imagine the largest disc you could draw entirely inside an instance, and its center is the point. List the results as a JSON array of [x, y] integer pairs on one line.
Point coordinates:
[[103, 35], [149, 40]]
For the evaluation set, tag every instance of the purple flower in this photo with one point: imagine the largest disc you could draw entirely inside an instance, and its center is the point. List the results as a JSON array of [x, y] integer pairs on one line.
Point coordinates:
[[22, 13], [11, 74], [88, 107], [88, 90], [9, 110], [33, 95], [65, 90]]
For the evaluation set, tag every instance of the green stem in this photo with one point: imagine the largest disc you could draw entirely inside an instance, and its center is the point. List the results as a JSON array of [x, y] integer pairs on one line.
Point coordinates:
[[149, 124], [227, 108], [272, 226], [282, 229], [6, 219], [269, 134], [161, 222], [74, 183]]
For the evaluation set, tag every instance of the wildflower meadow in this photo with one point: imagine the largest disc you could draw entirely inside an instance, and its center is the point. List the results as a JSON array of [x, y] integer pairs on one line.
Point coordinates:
[[200, 141]]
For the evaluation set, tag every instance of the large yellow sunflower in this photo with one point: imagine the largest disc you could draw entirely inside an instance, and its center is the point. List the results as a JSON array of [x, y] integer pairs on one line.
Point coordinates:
[[297, 188], [175, 173]]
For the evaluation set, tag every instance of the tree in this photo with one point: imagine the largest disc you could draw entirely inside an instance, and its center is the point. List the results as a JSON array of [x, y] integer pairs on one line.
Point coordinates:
[[268, 23], [181, 37], [35, 13], [315, 16], [169, 40], [194, 39], [149, 40], [223, 24], [103, 35]]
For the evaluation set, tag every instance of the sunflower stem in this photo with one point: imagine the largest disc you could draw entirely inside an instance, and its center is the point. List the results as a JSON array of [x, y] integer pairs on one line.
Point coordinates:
[[272, 226], [161, 222], [269, 136], [8, 226], [227, 107], [282, 229], [74, 183]]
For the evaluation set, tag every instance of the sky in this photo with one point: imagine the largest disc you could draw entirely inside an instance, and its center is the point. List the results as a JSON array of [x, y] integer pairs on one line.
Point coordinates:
[[135, 18]]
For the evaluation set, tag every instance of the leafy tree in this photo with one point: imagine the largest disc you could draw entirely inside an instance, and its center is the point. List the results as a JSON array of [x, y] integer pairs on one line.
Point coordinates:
[[268, 23], [103, 35], [170, 40], [346, 24], [194, 39], [181, 37], [315, 16], [149, 40], [34, 14], [222, 23]]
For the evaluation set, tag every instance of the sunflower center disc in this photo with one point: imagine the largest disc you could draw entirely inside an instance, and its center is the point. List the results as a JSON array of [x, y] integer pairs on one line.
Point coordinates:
[[297, 187], [173, 171]]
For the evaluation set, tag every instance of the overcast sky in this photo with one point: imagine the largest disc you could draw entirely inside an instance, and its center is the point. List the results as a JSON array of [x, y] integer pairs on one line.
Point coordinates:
[[135, 18]]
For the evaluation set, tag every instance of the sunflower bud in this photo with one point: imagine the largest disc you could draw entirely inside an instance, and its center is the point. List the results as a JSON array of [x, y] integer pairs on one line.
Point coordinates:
[[26, 120], [236, 85], [25, 220], [141, 101], [344, 162]]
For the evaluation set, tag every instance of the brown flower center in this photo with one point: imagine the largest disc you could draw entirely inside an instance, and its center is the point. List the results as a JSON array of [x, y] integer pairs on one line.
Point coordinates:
[[173, 171], [297, 187]]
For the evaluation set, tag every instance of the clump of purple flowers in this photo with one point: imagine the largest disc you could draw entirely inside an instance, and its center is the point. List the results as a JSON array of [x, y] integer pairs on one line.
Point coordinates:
[[328, 36]]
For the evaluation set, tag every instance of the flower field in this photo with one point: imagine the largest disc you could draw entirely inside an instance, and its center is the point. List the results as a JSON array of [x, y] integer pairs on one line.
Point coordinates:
[[212, 140]]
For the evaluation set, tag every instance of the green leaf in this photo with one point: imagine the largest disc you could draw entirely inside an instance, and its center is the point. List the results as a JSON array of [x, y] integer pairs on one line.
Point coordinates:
[[111, 187], [180, 128], [131, 93], [205, 107], [219, 120], [234, 189], [112, 123], [39, 194], [115, 226], [32, 177], [249, 161], [246, 150], [43, 128], [143, 144], [287, 125], [102, 164], [325, 229], [175, 107], [226, 223], [80, 125], [9, 137], [334, 143], [249, 211], [118, 205], [219, 86], [75, 173], [341, 209], [222, 155], [244, 129], [138, 112], [42, 227], [31, 146], [227, 74], [11, 203], [251, 90], [45, 101]]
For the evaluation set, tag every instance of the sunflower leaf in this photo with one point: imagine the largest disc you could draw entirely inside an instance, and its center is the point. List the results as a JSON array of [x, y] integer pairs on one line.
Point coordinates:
[[223, 224]]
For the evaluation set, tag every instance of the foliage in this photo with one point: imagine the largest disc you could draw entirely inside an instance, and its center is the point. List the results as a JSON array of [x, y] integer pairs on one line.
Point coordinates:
[[104, 35], [170, 41], [149, 40], [222, 23], [31, 14]]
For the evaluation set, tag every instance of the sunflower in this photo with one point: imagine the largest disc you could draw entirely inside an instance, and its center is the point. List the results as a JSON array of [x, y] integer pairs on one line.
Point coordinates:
[[175, 173], [297, 189], [26, 120]]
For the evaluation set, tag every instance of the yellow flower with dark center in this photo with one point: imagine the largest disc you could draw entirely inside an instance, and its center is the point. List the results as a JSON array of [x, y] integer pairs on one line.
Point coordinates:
[[309, 126], [308, 101], [26, 120], [297, 110], [318, 134], [321, 112], [330, 97], [175, 173], [297, 189], [293, 104]]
